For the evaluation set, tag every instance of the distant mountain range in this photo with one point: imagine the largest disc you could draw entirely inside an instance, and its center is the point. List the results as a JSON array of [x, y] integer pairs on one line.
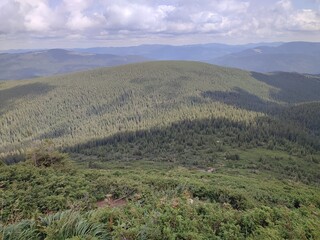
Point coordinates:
[[56, 61], [301, 57], [196, 52]]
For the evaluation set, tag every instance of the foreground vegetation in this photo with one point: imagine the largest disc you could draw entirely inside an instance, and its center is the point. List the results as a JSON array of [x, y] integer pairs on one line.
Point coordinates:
[[158, 201]]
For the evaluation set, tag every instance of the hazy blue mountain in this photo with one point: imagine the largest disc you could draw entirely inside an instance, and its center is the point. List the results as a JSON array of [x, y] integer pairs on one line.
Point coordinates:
[[302, 57], [20, 50], [196, 52], [55, 61], [21, 64]]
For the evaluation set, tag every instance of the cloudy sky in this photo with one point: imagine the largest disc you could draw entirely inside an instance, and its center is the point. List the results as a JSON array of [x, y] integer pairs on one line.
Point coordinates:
[[88, 23]]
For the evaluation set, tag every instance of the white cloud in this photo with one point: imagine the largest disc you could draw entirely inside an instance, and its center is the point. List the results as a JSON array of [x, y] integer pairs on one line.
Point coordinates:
[[291, 19], [307, 20], [142, 19], [24, 16], [206, 17], [77, 16], [232, 6], [285, 5], [77, 21], [11, 20], [136, 17], [38, 17]]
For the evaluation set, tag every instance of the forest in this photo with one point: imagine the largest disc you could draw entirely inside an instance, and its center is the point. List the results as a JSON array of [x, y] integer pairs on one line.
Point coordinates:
[[161, 150]]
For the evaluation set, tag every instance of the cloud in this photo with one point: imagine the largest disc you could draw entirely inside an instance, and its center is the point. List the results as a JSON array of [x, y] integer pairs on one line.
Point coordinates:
[[131, 16], [306, 20], [11, 19], [232, 6], [279, 19], [76, 17], [112, 19], [285, 5], [38, 16], [78, 21], [26, 16], [291, 19]]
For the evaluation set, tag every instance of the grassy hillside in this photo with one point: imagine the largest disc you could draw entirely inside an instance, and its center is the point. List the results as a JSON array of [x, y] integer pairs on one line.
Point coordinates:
[[146, 200]]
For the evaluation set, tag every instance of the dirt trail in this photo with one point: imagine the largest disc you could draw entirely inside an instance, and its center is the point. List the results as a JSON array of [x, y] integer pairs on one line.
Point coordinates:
[[111, 203]]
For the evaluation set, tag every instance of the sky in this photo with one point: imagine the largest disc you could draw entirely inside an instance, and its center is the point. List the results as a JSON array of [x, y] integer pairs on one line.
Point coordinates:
[[32, 24]]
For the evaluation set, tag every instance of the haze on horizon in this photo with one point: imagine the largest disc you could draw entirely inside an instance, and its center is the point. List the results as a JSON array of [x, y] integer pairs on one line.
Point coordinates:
[[89, 23]]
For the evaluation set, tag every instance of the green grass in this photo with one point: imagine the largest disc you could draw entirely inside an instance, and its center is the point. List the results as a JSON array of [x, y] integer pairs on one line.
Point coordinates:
[[163, 202]]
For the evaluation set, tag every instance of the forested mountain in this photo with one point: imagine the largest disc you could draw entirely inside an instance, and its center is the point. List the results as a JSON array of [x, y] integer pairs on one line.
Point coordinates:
[[73, 108], [161, 150], [39, 63], [302, 57]]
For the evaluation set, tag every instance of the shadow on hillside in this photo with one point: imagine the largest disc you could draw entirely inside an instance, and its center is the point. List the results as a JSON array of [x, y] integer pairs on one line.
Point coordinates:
[[196, 142], [306, 115], [242, 99], [8, 96], [293, 87]]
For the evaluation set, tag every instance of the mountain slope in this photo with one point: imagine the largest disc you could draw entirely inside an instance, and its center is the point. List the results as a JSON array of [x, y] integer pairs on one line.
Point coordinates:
[[56, 61], [104, 101], [300, 57], [78, 107]]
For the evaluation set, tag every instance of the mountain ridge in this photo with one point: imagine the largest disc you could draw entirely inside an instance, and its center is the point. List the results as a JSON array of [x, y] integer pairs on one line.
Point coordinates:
[[55, 61], [302, 57], [299, 57]]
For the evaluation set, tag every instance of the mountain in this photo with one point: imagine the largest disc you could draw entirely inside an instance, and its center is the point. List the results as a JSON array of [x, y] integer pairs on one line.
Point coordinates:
[[24, 64], [55, 61], [160, 150], [195, 52], [65, 108], [302, 57]]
